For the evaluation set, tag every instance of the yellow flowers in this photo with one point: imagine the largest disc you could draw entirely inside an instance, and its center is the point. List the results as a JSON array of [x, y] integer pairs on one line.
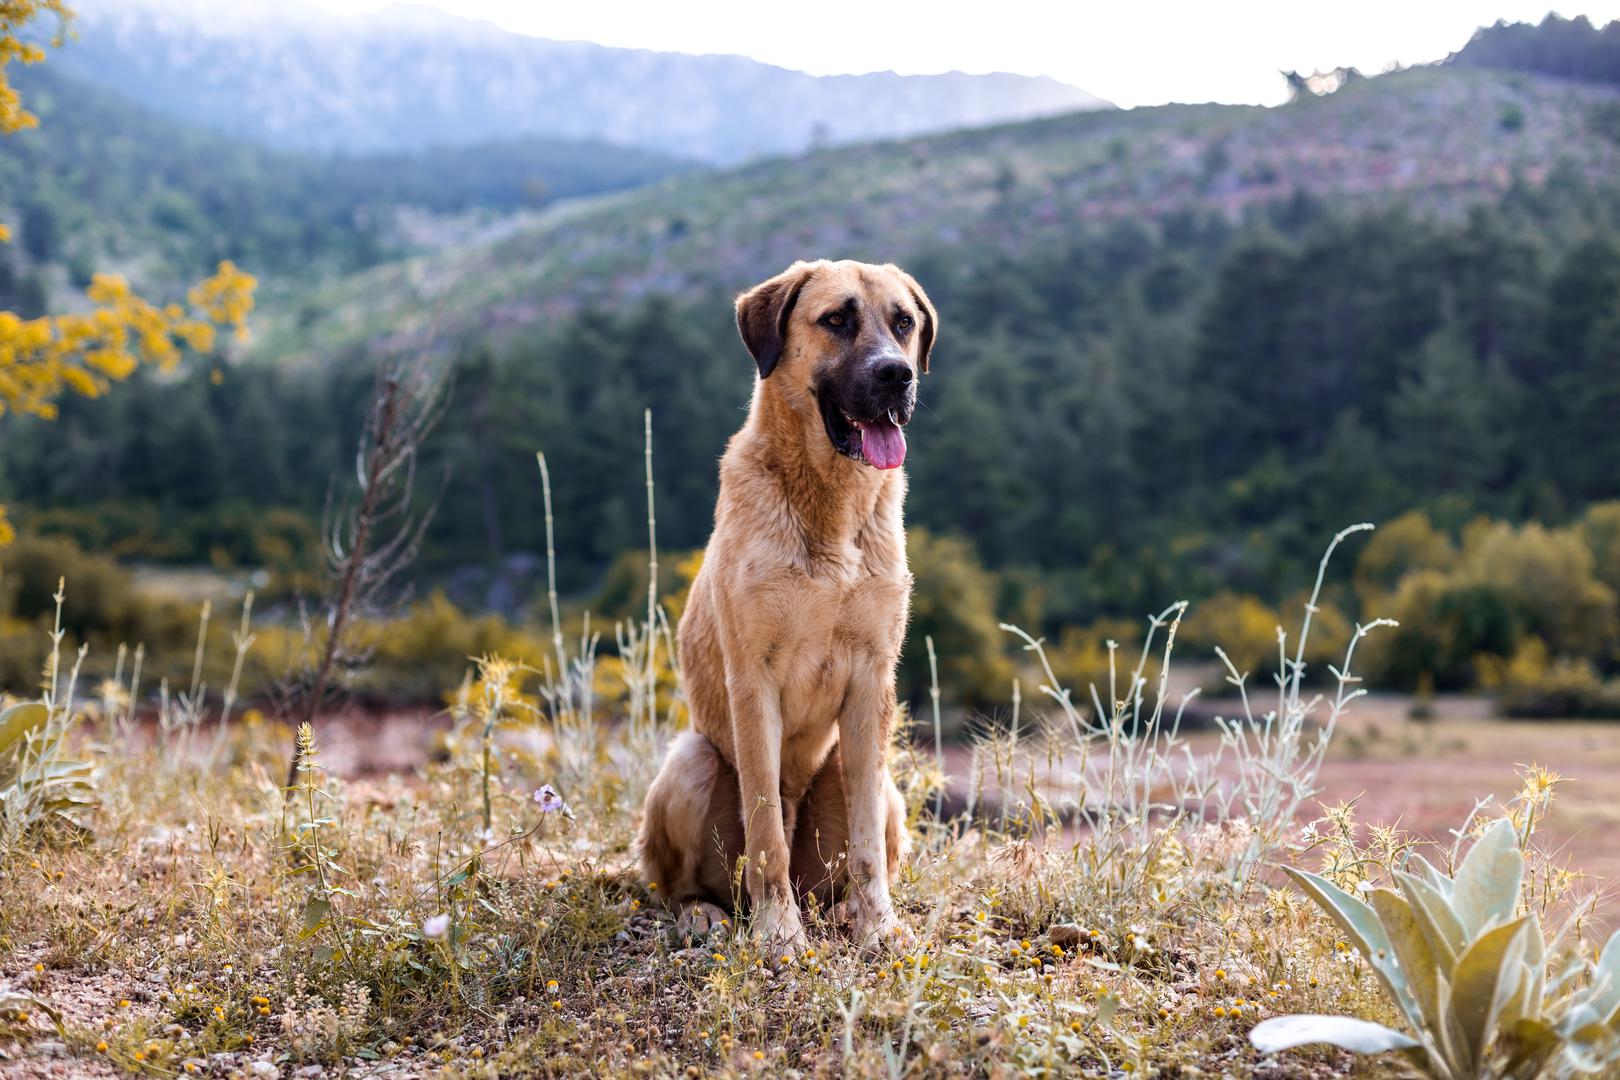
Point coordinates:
[[14, 14], [42, 359]]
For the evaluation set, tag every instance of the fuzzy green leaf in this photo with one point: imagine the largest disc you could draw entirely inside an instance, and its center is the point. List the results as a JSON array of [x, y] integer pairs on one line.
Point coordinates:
[[1439, 882], [1484, 973], [1412, 950], [1436, 920], [18, 721], [1360, 924], [1486, 891], [1359, 1036], [316, 911], [1605, 999]]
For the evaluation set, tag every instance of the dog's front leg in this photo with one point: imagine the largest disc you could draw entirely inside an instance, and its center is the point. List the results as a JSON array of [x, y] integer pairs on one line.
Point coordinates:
[[756, 725], [863, 744]]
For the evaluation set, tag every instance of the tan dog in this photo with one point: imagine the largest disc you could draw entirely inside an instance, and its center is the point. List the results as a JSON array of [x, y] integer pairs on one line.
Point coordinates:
[[794, 624]]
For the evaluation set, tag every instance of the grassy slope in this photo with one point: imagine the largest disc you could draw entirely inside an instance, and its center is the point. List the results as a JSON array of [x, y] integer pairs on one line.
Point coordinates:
[[1434, 136]]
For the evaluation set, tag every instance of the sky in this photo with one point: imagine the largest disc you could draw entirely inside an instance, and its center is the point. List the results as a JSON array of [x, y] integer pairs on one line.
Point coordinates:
[[1130, 52]]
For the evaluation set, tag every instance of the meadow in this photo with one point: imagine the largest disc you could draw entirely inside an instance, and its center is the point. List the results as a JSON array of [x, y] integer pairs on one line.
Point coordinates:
[[1101, 894]]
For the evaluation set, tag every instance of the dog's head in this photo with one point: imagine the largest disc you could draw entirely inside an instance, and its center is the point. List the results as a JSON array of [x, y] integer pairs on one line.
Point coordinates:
[[852, 336]]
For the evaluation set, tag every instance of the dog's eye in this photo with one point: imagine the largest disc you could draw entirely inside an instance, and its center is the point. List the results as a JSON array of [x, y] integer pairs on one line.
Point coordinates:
[[834, 319], [903, 323]]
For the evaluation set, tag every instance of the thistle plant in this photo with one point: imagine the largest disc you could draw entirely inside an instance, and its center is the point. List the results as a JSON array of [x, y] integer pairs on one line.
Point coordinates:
[[313, 858], [1138, 784]]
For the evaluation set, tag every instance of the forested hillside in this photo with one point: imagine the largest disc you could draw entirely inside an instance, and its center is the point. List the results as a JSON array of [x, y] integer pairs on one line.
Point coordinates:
[[1435, 140], [1568, 48], [105, 184], [1194, 399]]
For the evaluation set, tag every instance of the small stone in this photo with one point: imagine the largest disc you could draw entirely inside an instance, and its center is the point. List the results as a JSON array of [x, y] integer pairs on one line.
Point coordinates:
[[264, 1068], [1066, 934]]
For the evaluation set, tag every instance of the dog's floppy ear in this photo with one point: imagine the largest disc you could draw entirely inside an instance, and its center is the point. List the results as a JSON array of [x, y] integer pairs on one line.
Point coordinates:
[[763, 313], [930, 320]]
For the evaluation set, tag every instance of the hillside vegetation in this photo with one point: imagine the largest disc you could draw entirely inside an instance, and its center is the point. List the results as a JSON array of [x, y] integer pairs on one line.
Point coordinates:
[[1434, 140], [105, 183]]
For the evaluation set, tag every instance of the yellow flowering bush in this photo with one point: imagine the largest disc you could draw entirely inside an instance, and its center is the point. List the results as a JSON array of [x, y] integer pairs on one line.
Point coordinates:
[[41, 359], [14, 14]]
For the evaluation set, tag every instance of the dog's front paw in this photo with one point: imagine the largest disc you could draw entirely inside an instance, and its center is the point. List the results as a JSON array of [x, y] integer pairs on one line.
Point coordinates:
[[699, 918], [779, 926], [882, 931]]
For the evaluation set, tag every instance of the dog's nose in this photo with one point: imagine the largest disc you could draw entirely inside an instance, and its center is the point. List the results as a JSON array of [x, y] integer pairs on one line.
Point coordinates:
[[894, 373]]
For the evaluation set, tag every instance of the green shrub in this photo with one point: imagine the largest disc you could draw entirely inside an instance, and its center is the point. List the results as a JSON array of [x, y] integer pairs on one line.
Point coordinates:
[[953, 602], [1530, 685], [1507, 584], [1600, 531], [1398, 548], [101, 601], [1549, 573]]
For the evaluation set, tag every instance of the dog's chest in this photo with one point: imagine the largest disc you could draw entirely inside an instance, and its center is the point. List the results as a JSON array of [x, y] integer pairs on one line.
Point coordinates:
[[832, 639]]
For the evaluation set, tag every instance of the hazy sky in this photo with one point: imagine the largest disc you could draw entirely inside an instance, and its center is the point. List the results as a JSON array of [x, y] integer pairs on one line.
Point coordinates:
[[1133, 53]]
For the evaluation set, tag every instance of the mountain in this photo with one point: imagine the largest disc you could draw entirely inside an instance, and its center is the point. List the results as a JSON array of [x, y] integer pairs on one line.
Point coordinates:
[[412, 77], [1437, 139], [105, 184]]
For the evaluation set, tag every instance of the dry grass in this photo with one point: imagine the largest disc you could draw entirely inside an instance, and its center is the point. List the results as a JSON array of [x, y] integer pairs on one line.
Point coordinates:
[[175, 936], [1112, 910]]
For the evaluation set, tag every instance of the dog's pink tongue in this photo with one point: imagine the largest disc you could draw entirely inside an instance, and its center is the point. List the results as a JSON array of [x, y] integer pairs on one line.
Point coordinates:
[[883, 444]]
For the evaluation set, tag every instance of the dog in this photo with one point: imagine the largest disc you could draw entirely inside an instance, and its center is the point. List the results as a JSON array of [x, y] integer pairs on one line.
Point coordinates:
[[795, 621]]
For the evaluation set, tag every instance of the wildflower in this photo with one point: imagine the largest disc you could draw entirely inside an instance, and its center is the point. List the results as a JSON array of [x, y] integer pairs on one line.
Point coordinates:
[[550, 802], [123, 1003], [551, 984], [436, 927], [39, 969], [101, 1047]]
